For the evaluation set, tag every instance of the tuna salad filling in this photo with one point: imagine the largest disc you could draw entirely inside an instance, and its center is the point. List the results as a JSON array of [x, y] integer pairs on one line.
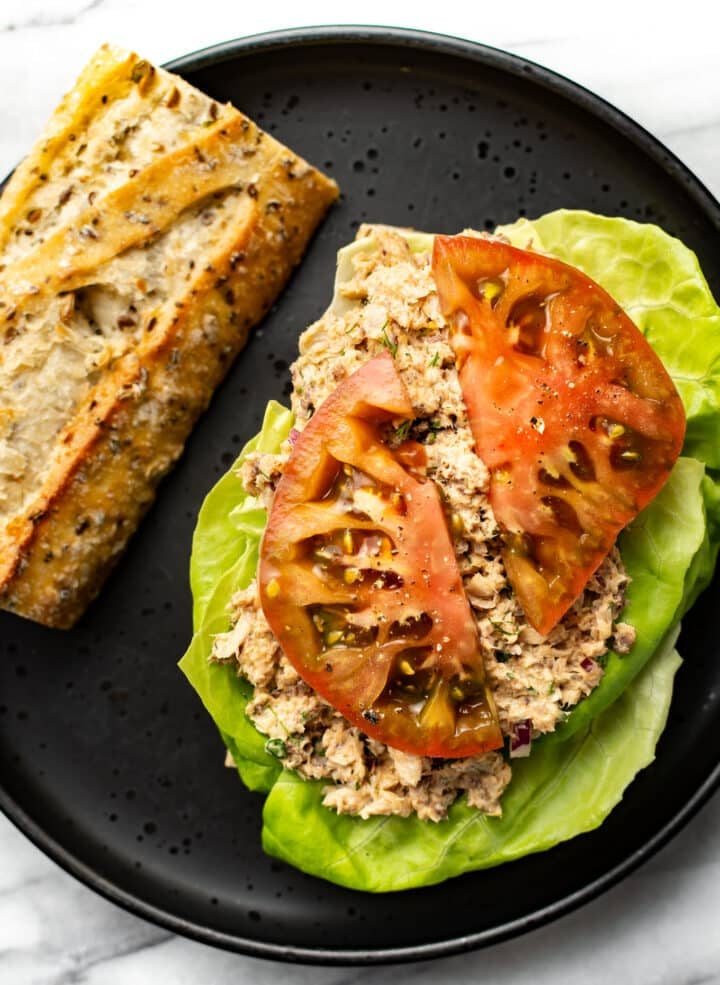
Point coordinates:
[[391, 302]]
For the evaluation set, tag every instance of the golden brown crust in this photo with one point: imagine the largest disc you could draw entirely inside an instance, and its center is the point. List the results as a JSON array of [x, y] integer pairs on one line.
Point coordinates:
[[107, 70], [127, 427]]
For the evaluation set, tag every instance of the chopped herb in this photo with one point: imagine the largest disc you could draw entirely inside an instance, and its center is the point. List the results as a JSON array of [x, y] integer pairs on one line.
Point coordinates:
[[403, 430], [435, 359], [385, 340], [510, 676], [532, 690], [433, 427], [501, 629], [551, 689], [276, 747]]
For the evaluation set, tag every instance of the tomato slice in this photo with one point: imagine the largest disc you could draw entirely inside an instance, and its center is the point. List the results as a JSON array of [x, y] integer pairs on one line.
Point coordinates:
[[571, 410], [359, 582]]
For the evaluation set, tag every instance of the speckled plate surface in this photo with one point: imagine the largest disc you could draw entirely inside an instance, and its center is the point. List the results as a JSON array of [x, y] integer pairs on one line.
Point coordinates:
[[107, 759]]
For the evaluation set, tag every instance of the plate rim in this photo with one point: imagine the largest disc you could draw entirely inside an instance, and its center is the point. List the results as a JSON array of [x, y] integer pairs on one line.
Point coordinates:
[[449, 44], [599, 107]]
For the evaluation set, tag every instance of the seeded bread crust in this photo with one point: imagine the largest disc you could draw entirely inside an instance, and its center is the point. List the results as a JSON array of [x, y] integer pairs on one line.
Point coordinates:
[[130, 276]]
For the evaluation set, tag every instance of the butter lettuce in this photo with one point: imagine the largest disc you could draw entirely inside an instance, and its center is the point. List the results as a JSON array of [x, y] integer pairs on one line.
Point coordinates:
[[575, 776], [658, 281], [560, 791], [224, 559]]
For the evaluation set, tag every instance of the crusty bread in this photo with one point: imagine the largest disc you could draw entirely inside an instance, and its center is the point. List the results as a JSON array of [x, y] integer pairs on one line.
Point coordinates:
[[147, 231]]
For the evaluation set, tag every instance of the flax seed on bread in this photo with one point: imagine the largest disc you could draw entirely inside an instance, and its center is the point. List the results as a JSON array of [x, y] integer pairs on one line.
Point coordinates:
[[147, 231]]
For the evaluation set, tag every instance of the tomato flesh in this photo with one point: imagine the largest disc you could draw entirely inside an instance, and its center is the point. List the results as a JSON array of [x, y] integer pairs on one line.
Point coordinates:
[[571, 410], [359, 581]]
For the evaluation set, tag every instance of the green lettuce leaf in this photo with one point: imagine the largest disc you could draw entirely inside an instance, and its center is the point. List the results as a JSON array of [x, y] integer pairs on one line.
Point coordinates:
[[224, 560], [658, 281], [229, 519], [575, 776], [571, 781], [669, 557], [560, 791]]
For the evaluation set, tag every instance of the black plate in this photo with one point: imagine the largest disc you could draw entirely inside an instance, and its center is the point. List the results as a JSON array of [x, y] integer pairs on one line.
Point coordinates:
[[108, 762]]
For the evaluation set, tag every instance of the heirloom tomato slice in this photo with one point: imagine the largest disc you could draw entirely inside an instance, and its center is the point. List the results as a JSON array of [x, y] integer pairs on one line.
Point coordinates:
[[359, 582], [571, 410]]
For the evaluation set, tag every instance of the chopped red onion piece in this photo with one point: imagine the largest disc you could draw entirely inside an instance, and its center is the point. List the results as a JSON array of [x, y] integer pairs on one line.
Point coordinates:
[[293, 436], [521, 739], [587, 664]]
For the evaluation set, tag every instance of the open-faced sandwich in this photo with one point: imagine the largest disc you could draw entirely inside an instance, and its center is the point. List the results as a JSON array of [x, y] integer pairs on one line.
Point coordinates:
[[436, 601]]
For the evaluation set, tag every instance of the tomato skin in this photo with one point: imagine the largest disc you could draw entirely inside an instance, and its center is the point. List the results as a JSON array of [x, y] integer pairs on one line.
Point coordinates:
[[571, 410], [359, 582]]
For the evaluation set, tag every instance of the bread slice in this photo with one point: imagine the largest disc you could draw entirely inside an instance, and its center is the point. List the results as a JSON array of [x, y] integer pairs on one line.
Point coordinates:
[[147, 231]]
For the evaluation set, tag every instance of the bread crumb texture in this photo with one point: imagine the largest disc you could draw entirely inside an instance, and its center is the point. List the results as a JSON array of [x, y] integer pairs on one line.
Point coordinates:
[[147, 231]]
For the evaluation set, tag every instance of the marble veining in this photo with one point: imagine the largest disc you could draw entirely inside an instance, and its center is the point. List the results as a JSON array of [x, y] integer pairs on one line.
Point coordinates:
[[57, 18], [660, 925]]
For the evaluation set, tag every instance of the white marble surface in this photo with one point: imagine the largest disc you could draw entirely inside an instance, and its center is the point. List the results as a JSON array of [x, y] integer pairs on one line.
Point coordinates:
[[659, 64]]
